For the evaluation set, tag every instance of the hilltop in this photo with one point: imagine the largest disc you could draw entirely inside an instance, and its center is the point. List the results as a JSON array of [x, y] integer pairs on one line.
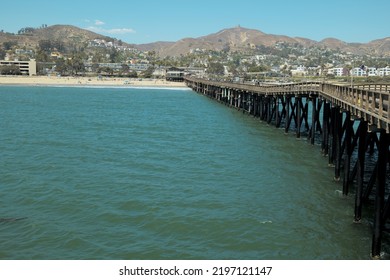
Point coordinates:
[[69, 36], [240, 38], [69, 50], [230, 39]]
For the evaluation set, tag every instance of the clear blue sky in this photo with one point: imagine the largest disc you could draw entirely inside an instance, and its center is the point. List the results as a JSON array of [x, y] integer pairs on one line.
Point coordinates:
[[146, 21]]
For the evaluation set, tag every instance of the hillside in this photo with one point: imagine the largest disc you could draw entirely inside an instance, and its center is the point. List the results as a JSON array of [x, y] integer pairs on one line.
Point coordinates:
[[239, 38], [69, 35], [231, 39], [234, 39]]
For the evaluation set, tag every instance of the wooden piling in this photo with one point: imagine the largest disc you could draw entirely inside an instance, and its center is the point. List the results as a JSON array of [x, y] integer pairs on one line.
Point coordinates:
[[360, 169], [325, 129], [288, 117], [332, 132], [348, 152], [298, 102], [313, 120], [383, 152], [338, 128]]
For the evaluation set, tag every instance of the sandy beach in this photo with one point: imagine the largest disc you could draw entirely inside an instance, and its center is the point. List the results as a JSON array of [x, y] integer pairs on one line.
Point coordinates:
[[87, 81]]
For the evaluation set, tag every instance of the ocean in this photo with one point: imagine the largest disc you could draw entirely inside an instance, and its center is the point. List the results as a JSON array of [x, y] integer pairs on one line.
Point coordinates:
[[157, 174]]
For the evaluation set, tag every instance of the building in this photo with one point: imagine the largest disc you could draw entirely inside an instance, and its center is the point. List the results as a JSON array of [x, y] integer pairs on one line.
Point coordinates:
[[358, 72], [299, 71], [384, 71], [338, 71], [175, 75], [371, 71], [26, 67]]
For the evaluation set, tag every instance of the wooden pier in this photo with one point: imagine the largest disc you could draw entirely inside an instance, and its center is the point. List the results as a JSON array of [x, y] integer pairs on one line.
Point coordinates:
[[352, 124]]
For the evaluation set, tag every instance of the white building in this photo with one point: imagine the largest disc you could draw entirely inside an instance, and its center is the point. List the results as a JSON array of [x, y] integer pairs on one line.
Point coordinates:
[[338, 71], [371, 71], [383, 71], [358, 72], [299, 71]]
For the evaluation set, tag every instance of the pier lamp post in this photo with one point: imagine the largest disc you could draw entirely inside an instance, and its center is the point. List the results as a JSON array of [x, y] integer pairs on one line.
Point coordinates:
[[353, 67]]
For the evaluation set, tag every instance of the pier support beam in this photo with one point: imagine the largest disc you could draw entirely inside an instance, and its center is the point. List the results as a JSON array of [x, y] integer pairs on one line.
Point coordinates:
[[276, 109], [348, 152], [332, 132], [288, 117], [383, 152], [325, 129], [313, 120], [360, 170], [338, 131], [298, 102]]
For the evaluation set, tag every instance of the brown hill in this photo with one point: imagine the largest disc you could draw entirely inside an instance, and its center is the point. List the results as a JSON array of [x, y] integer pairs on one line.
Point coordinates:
[[69, 35], [239, 38], [333, 43], [236, 38], [381, 47]]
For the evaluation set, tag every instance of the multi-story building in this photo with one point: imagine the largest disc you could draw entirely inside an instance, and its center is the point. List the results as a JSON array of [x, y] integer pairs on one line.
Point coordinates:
[[338, 71], [26, 67], [358, 72], [384, 71], [371, 71]]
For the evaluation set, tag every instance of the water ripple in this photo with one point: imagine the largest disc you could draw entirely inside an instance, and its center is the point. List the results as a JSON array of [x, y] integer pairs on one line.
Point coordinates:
[[149, 174]]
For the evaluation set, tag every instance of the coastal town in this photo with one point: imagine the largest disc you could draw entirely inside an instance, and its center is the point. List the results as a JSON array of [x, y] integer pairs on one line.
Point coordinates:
[[182, 139], [107, 57]]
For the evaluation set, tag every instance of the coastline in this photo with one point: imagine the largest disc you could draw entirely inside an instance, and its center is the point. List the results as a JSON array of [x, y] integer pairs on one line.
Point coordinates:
[[87, 81]]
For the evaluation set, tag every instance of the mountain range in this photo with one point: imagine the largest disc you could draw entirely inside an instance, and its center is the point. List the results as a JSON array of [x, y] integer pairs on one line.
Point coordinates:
[[239, 38], [233, 39]]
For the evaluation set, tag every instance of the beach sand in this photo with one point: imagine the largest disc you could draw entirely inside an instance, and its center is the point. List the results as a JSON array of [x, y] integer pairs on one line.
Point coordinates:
[[87, 81]]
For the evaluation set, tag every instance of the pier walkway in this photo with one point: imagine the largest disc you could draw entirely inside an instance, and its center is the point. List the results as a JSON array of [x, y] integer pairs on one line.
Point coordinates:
[[352, 124]]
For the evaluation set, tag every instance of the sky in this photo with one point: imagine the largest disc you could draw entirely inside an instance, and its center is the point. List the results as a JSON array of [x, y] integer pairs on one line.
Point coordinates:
[[147, 21]]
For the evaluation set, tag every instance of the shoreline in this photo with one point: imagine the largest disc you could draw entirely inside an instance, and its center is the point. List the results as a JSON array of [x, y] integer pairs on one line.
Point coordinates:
[[88, 82]]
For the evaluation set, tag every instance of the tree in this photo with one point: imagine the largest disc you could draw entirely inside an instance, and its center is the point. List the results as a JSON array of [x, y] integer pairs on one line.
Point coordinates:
[[125, 68], [133, 74], [9, 45], [42, 56], [61, 66], [76, 64], [9, 70], [148, 73], [106, 70], [45, 45], [114, 55], [216, 68], [2, 53], [95, 67]]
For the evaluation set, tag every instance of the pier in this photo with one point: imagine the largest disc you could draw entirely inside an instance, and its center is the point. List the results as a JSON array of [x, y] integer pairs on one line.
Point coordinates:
[[351, 123]]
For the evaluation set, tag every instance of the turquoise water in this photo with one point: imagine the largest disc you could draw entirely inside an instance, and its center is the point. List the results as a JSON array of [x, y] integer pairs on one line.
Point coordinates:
[[124, 173]]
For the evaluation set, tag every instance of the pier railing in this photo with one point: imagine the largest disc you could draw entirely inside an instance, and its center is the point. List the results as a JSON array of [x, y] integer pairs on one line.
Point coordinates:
[[368, 101]]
